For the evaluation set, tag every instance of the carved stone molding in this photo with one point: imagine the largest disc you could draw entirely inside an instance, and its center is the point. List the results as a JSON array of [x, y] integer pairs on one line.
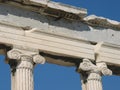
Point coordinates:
[[20, 55], [94, 76], [38, 59], [94, 73], [100, 68], [91, 69], [87, 65], [26, 62], [104, 69], [14, 54], [22, 78]]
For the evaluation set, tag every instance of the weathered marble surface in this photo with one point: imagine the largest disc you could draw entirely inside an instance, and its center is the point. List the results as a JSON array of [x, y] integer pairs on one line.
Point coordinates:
[[77, 29], [30, 38], [22, 69]]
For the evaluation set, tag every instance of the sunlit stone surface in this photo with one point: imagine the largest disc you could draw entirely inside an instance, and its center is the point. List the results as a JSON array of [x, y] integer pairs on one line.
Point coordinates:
[[37, 31]]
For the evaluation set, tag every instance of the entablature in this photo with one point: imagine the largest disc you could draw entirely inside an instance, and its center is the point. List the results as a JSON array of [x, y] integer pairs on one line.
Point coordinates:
[[59, 48]]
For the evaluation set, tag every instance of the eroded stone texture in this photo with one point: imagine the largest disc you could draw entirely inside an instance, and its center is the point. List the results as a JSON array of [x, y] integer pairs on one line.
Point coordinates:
[[59, 31], [77, 29]]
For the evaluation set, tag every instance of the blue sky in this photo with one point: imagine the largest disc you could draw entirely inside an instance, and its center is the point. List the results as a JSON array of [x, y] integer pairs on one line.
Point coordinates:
[[54, 77]]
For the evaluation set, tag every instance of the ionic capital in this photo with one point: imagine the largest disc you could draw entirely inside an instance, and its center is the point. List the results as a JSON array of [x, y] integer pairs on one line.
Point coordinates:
[[87, 65], [99, 68], [21, 55], [103, 68]]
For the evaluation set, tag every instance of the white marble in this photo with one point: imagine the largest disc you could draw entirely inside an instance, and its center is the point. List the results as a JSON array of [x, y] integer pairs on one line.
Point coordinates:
[[94, 72], [22, 77]]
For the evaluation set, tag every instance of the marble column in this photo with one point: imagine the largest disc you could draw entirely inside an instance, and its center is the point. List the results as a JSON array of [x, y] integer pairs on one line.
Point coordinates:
[[22, 74], [94, 74]]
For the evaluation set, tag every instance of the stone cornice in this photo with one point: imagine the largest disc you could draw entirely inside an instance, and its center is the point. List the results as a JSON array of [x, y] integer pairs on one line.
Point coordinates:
[[58, 10], [50, 8], [102, 22]]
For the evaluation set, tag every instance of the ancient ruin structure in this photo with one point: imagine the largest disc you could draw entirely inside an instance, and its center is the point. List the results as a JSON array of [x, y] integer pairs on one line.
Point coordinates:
[[38, 31]]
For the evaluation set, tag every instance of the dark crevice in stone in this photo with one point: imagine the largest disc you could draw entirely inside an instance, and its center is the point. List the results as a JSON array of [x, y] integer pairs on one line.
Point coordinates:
[[76, 61], [115, 69]]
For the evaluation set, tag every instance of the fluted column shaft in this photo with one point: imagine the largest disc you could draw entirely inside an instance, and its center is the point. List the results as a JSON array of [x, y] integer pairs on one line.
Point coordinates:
[[94, 82], [24, 74]]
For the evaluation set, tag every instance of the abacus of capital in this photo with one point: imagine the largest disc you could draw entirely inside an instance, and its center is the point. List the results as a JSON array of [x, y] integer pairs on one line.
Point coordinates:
[[42, 31]]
